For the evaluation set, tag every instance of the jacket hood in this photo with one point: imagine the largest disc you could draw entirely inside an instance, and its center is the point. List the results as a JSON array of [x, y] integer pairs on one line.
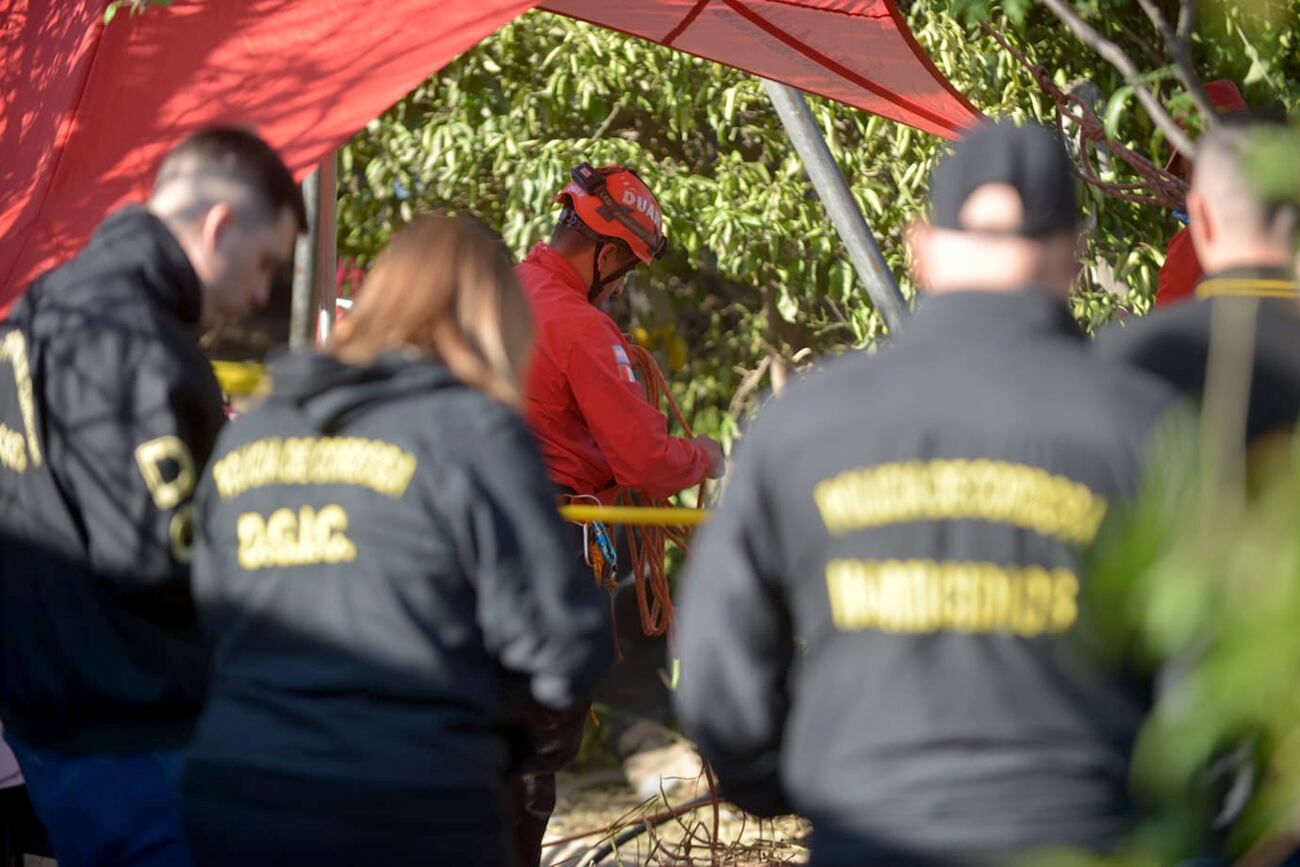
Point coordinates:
[[328, 392]]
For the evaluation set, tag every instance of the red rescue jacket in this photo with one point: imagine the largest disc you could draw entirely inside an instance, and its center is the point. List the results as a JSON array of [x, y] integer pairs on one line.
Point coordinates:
[[582, 398]]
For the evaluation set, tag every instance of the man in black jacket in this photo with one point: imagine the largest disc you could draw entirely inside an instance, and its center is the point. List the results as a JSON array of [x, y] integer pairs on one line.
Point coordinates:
[[108, 412], [881, 628], [1245, 244]]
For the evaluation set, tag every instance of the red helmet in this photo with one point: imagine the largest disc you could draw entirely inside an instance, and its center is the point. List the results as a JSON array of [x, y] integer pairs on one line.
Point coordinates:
[[612, 204]]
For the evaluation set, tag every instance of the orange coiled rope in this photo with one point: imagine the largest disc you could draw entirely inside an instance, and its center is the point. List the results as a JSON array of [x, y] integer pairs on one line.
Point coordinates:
[[653, 592]]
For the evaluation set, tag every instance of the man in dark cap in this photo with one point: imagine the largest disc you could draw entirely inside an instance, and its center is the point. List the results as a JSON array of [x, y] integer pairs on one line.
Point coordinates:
[[1246, 244], [883, 627]]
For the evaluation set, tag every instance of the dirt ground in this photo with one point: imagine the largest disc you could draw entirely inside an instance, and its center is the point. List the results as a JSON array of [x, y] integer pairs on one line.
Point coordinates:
[[603, 801]]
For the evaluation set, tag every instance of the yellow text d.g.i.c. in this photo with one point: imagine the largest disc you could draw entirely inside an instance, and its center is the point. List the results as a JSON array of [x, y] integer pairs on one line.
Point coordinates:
[[288, 538]]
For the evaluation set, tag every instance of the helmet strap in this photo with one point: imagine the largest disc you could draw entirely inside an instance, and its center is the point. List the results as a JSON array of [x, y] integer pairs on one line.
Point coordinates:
[[598, 283]]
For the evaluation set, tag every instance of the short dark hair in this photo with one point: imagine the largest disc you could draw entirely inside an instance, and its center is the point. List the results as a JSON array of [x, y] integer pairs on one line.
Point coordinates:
[[244, 157]]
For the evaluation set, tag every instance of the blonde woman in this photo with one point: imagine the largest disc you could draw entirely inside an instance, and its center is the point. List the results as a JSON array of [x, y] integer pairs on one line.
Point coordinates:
[[381, 570]]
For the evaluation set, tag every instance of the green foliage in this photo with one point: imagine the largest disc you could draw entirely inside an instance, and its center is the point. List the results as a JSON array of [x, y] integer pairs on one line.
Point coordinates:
[[754, 265], [755, 270], [1273, 163], [1214, 601], [137, 7], [1259, 45]]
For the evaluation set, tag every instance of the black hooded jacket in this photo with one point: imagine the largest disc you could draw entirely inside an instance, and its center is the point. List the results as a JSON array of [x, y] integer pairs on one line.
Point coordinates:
[[379, 563], [108, 412]]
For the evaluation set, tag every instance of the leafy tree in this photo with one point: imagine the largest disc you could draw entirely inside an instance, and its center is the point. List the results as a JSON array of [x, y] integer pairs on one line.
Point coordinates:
[[756, 284]]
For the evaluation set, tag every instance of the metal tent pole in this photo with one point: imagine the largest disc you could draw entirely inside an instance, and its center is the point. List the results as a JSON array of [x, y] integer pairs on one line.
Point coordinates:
[[302, 316], [312, 312], [844, 212], [327, 249]]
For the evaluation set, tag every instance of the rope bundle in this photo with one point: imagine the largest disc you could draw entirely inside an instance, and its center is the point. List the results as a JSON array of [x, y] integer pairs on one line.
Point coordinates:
[[653, 592]]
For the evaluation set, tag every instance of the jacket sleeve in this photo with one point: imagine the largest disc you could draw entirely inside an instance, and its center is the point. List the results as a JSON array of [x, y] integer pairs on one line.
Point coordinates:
[[210, 559], [542, 616], [632, 434], [736, 645], [132, 444]]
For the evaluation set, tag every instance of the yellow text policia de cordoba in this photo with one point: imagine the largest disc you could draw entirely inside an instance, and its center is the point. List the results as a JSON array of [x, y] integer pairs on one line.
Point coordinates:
[[307, 535], [998, 491], [923, 596]]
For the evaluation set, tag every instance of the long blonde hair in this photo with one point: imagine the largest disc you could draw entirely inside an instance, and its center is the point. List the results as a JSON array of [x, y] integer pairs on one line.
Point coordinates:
[[445, 287]]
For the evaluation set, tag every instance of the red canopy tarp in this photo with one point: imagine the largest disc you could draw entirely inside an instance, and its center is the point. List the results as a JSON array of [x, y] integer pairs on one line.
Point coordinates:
[[86, 111]]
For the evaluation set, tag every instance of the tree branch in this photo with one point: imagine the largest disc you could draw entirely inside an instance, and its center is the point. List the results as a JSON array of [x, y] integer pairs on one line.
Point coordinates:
[[1178, 46], [1157, 19], [1186, 18], [748, 385], [608, 121], [1143, 42], [1115, 56]]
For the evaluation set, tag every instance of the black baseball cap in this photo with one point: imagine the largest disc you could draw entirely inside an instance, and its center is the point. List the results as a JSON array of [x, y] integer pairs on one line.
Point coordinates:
[[1029, 158]]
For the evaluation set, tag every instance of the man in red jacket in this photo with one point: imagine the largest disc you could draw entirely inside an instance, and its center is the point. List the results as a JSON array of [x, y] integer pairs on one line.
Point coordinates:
[[597, 431]]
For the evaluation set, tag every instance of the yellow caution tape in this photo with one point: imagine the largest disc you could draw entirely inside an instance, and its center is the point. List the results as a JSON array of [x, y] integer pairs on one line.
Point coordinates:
[[1246, 287], [239, 378], [637, 516]]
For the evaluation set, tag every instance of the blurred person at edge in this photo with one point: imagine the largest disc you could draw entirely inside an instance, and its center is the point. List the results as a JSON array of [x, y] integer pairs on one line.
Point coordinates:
[[883, 628], [20, 831], [382, 571], [108, 411], [1247, 246], [1182, 270]]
